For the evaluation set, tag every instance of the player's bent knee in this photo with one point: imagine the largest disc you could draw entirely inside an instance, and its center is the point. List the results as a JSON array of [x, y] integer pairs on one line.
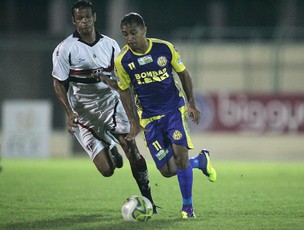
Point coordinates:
[[167, 173], [169, 169], [105, 169], [106, 173]]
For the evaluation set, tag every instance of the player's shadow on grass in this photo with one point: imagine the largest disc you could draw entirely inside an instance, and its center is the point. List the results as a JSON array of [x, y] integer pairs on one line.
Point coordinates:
[[60, 223], [93, 221]]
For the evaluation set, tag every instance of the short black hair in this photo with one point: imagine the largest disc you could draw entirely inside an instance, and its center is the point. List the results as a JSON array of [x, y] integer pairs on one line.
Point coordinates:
[[132, 18], [82, 4]]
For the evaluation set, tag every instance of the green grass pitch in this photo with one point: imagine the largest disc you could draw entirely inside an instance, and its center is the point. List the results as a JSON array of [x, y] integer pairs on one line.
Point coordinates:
[[71, 194]]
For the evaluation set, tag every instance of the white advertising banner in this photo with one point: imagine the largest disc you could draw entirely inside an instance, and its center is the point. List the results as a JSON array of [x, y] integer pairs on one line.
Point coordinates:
[[272, 113], [26, 128]]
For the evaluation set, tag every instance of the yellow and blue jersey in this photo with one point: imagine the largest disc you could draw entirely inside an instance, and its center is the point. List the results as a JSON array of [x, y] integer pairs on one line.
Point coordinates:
[[151, 76]]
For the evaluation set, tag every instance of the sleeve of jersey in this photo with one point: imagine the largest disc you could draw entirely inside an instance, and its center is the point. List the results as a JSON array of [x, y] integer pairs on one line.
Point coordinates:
[[60, 64], [176, 61], [121, 73], [116, 49]]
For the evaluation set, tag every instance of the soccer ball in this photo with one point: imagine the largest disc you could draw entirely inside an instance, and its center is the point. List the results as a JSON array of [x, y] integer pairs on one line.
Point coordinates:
[[137, 208]]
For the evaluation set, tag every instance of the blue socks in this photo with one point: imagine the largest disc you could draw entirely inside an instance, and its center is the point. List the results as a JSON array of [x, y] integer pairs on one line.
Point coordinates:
[[194, 162], [185, 179]]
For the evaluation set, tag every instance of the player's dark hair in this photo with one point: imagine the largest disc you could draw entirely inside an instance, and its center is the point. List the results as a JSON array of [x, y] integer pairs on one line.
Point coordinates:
[[131, 18], [82, 4]]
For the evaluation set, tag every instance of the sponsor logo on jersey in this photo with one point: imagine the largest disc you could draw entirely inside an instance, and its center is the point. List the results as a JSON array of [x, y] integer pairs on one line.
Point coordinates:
[[179, 61], [145, 60], [151, 76], [80, 60], [161, 153], [177, 135], [97, 71], [162, 61]]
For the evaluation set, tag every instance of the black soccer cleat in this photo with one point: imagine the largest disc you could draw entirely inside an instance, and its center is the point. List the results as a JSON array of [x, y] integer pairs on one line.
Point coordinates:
[[155, 211], [117, 157]]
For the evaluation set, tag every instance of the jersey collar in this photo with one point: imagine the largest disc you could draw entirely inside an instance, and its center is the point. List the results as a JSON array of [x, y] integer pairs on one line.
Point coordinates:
[[148, 50], [98, 36]]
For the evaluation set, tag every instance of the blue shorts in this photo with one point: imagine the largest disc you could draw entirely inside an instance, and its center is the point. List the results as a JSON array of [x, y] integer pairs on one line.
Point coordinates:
[[165, 130]]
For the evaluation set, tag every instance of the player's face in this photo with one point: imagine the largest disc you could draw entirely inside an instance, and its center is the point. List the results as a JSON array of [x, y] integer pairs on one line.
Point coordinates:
[[134, 36], [84, 20]]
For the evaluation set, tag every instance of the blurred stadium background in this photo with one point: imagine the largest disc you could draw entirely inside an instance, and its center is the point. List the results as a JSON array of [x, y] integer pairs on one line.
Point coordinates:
[[246, 59]]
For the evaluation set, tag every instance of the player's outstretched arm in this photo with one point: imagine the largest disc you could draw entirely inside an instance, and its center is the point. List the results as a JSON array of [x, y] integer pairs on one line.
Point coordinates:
[[60, 90], [127, 101], [187, 84]]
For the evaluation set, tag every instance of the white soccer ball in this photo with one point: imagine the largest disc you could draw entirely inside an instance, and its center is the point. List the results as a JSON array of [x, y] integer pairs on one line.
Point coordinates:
[[137, 208]]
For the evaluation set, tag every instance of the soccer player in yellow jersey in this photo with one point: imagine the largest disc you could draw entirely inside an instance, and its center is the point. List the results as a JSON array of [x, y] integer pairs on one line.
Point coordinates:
[[145, 69]]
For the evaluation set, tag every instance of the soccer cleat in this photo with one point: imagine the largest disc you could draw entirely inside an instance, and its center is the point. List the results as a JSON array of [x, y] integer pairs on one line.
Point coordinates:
[[155, 211], [205, 165], [188, 213], [117, 157]]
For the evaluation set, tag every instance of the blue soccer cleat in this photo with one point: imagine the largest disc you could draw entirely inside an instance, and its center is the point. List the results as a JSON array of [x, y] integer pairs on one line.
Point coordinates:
[[205, 165], [188, 212]]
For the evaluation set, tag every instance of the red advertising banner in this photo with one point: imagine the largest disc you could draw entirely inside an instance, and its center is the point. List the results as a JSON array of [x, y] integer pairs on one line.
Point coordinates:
[[251, 113]]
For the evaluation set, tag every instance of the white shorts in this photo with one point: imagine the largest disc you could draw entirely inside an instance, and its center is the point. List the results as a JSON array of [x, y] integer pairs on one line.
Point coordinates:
[[100, 115]]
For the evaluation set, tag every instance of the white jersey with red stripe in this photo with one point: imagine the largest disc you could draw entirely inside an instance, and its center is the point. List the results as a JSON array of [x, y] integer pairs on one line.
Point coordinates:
[[99, 109], [77, 59]]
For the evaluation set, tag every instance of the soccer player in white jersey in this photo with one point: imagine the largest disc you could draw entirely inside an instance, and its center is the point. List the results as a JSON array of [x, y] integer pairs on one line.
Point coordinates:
[[95, 113]]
